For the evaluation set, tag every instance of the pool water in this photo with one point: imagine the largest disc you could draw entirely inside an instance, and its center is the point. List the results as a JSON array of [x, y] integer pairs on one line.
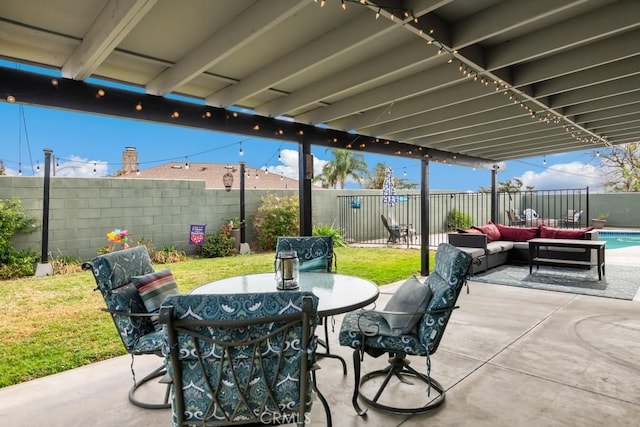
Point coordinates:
[[620, 239]]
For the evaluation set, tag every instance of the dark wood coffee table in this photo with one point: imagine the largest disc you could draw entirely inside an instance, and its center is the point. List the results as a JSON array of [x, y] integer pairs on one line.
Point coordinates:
[[587, 245]]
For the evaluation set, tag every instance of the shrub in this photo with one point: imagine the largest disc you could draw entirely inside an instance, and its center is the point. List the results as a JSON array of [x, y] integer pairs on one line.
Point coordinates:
[[167, 255], [13, 220], [456, 219], [66, 264], [328, 230], [276, 216], [218, 244]]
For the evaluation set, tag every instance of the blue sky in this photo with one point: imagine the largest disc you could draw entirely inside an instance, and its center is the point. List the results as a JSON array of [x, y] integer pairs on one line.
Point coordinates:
[[83, 142]]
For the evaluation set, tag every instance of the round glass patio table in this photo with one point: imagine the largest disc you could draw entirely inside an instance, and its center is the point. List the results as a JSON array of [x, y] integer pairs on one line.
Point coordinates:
[[337, 293]]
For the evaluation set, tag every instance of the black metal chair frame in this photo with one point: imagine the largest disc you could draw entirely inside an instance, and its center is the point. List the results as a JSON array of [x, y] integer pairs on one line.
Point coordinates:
[[156, 373], [332, 267], [189, 327], [398, 367]]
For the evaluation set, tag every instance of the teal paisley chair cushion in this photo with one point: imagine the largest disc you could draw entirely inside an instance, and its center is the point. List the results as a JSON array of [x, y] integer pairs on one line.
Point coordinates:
[[368, 330], [113, 273], [315, 253], [234, 358]]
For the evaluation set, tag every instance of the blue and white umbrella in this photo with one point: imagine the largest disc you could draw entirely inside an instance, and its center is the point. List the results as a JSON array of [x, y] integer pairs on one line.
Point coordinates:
[[388, 188]]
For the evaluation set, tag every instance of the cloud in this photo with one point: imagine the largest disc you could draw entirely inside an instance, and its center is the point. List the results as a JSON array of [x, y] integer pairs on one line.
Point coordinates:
[[565, 175], [289, 164], [74, 167]]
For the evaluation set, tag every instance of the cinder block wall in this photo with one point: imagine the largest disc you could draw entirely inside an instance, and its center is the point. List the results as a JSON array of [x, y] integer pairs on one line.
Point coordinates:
[[83, 210]]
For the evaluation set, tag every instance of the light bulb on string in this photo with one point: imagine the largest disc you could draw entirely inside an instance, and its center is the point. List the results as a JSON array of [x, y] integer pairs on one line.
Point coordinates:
[[598, 153], [38, 166], [544, 160], [241, 152], [94, 168], [279, 155], [186, 163]]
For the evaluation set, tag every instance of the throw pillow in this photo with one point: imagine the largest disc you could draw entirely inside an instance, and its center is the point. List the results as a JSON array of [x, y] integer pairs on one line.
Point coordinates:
[[153, 289], [411, 297], [561, 233], [517, 234], [490, 230]]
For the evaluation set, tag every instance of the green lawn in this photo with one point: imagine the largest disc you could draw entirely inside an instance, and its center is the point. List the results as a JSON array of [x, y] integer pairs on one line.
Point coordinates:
[[51, 324]]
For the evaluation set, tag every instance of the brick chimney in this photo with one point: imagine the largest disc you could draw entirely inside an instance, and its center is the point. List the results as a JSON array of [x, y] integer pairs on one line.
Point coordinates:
[[129, 161]]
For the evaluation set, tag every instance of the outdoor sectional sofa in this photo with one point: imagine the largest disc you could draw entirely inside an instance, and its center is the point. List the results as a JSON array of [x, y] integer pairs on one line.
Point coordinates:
[[492, 245]]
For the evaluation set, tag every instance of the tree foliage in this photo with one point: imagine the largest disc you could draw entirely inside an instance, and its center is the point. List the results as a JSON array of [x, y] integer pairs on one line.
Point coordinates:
[[276, 216], [345, 164], [375, 179], [512, 185], [621, 168], [13, 220]]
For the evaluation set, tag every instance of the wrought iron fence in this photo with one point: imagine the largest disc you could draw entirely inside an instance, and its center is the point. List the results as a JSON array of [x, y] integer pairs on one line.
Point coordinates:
[[360, 216]]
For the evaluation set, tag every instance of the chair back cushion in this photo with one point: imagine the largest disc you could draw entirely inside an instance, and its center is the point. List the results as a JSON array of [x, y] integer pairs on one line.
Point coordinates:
[[113, 273], [315, 253], [410, 298], [446, 281], [240, 356]]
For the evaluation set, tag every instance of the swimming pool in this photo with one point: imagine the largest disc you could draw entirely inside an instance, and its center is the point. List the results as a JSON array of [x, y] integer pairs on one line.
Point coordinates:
[[620, 239]]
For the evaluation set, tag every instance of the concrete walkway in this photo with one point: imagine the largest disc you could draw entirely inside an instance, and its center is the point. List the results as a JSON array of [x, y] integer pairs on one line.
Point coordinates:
[[509, 357]]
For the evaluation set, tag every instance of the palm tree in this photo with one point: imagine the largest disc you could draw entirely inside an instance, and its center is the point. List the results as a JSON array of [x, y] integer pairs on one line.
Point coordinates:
[[345, 164]]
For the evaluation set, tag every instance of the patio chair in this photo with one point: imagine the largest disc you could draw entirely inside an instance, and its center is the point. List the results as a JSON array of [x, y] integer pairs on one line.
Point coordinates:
[[572, 219], [117, 274], [514, 218], [396, 232], [315, 254], [412, 323], [241, 358]]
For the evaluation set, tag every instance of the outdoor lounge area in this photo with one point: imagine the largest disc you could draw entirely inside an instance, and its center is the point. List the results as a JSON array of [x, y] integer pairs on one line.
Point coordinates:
[[511, 356]]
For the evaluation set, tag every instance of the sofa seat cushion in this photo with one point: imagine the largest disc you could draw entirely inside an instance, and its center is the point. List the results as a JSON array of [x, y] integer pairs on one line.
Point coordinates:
[[499, 246], [523, 246], [474, 252]]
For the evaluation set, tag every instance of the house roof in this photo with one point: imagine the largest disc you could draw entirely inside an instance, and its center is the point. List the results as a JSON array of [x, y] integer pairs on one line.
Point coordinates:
[[212, 173], [448, 80]]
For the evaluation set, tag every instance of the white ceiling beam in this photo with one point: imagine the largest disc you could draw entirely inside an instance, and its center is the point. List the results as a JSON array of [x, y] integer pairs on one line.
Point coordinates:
[[440, 115], [250, 25], [323, 49], [112, 25], [439, 98], [613, 113], [504, 17], [591, 93], [585, 78], [589, 27], [492, 116], [578, 59], [601, 104], [388, 63], [408, 87]]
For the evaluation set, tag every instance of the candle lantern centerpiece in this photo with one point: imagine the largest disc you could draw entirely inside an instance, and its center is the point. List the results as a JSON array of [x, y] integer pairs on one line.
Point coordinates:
[[287, 268]]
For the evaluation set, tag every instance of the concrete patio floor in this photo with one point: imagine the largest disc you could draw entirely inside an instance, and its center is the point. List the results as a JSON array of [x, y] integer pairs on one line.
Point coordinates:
[[509, 357]]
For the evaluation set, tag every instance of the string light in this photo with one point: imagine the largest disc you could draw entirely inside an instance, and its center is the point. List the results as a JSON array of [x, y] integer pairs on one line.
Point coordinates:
[[139, 106], [468, 71], [240, 152], [186, 163]]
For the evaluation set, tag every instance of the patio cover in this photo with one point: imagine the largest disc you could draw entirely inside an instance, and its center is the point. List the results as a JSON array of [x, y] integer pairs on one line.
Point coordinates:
[[463, 81]]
